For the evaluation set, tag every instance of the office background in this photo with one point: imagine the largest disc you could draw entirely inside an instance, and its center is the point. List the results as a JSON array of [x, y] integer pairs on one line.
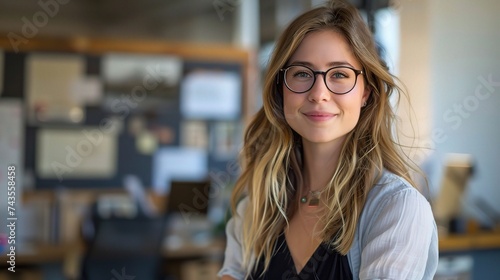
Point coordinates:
[[445, 52]]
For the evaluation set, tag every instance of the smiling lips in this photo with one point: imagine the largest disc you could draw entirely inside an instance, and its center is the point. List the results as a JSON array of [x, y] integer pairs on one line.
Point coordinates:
[[318, 116]]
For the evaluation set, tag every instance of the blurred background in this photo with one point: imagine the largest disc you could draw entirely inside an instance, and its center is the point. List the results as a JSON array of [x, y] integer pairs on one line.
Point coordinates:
[[121, 124]]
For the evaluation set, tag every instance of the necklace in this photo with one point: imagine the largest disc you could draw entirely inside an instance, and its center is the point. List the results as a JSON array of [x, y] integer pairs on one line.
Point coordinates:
[[312, 197]]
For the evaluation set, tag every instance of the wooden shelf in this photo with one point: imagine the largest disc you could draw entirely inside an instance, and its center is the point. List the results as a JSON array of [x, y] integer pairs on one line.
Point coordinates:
[[185, 50], [101, 45], [465, 242]]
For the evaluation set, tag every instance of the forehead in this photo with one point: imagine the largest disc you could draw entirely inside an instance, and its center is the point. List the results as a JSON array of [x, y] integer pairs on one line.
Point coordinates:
[[322, 48]]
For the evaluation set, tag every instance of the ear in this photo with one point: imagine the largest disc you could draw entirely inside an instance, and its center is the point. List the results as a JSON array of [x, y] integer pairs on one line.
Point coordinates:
[[366, 95]]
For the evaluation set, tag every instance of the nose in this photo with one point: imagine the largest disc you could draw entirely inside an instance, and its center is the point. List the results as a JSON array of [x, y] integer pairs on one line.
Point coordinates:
[[319, 92]]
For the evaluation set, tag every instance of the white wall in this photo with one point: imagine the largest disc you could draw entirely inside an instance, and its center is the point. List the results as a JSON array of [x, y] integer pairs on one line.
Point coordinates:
[[465, 53], [414, 72], [450, 62]]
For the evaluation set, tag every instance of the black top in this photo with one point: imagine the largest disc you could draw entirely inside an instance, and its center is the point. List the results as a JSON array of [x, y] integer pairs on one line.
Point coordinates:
[[325, 264]]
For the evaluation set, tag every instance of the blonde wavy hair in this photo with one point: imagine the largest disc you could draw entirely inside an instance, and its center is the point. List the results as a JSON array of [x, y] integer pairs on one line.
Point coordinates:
[[271, 156]]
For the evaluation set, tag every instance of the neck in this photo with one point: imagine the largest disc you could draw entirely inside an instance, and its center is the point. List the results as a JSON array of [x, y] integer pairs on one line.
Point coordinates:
[[320, 162]]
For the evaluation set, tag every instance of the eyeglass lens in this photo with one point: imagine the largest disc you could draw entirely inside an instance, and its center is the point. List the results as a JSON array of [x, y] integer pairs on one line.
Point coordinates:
[[339, 80]]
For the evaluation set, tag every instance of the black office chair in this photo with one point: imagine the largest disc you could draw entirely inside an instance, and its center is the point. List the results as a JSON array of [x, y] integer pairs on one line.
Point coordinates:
[[125, 249]]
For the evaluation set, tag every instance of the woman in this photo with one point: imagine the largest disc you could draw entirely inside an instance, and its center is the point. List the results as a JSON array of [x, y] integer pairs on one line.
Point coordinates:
[[326, 192]]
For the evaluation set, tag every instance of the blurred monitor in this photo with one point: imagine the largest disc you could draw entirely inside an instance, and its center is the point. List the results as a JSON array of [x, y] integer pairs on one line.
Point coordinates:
[[448, 204], [188, 197]]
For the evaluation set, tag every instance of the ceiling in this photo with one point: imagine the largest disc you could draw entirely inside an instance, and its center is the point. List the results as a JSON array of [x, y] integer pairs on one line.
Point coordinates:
[[176, 20], [179, 20]]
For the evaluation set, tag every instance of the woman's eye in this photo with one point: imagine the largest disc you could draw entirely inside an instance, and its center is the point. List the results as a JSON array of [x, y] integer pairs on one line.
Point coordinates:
[[302, 75], [338, 75]]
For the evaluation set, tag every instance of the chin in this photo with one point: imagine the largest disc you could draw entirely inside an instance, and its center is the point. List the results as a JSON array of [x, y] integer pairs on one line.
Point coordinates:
[[322, 139]]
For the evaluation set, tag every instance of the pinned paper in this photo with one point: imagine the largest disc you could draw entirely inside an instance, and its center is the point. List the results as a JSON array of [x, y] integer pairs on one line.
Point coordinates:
[[165, 134], [227, 139], [76, 153], [87, 91], [50, 80], [146, 143], [211, 95], [194, 134], [148, 71]]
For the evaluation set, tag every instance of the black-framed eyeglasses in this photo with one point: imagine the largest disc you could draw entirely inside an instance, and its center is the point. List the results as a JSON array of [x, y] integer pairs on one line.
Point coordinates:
[[339, 79]]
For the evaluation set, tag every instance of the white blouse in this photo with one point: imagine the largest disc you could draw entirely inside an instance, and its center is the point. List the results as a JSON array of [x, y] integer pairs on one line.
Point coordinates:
[[396, 237]]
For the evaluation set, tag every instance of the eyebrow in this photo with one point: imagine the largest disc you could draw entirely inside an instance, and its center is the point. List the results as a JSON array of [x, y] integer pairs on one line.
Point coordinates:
[[331, 64]]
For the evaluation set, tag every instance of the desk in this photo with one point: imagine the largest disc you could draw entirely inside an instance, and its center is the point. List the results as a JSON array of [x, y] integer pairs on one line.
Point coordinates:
[[43, 253], [213, 249], [69, 255], [35, 254], [46, 253], [483, 248], [467, 242]]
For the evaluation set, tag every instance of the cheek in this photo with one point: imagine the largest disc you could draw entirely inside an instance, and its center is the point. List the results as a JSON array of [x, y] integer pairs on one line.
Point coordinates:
[[291, 104], [354, 114], [291, 101], [350, 105]]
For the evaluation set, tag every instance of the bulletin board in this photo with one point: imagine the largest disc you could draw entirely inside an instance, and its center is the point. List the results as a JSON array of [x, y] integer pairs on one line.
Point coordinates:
[[156, 124]]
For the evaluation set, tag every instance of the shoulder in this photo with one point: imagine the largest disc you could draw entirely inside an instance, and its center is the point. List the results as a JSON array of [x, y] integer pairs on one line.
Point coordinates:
[[389, 185], [242, 205], [392, 191], [233, 262], [394, 199], [396, 237], [235, 223]]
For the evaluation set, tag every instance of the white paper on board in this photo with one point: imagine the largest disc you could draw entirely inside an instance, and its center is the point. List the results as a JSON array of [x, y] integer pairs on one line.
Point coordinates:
[[87, 152], [87, 91], [50, 79], [211, 95], [148, 71]]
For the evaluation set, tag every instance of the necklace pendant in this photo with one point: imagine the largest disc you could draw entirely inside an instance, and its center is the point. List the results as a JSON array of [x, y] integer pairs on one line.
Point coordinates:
[[314, 201], [303, 199]]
